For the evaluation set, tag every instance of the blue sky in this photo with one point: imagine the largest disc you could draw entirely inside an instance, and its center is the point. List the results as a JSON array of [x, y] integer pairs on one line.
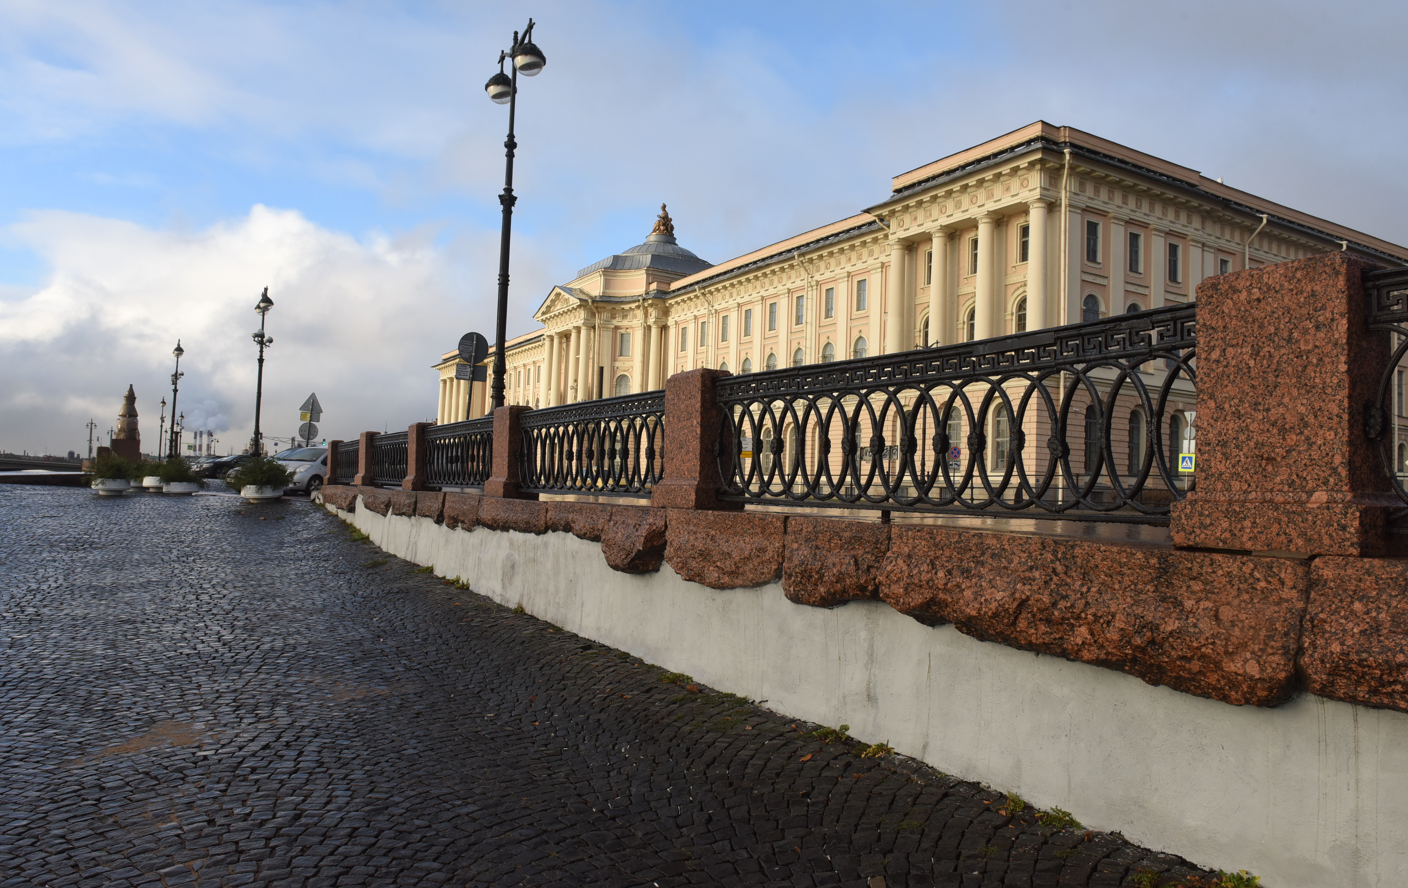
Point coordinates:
[[161, 162]]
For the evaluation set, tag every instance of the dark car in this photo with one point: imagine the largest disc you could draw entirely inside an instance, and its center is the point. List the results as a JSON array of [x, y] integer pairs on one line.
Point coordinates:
[[222, 466]]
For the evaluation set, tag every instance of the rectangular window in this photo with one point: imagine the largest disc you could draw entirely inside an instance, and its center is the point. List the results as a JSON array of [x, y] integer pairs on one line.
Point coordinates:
[[1224, 266], [928, 266], [1092, 241], [684, 338], [1174, 271], [723, 329], [972, 255], [772, 316], [800, 315], [1136, 253], [1398, 395], [747, 322], [625, 349], [703, 333], [1024, 243], [860, 296], [830, 302]]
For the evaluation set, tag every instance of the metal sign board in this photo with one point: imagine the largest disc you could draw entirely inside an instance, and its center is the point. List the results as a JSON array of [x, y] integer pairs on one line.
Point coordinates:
[[311, 405], [308, 431], [474, 348], [1186, 461], [477, 373], [955, 453], [304, 416]]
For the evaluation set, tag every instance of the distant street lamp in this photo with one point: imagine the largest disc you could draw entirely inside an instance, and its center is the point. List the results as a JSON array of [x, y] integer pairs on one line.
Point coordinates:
[[528, 60], [175, 379], [161, 430], [263, 341], [92, 425]]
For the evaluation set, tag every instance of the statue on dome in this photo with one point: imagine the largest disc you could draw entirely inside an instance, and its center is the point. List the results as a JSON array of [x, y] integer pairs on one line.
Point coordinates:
[[664, 224]]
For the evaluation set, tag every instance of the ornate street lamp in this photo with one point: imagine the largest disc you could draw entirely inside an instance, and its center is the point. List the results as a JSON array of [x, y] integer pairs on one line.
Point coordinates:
[[256, 445], [175, 379], [528, 60], [161, 430]]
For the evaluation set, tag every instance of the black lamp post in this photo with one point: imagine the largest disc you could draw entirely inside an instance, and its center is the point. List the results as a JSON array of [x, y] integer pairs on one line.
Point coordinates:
[[175, 379], [161, 430], [503, 89], [263, 341]]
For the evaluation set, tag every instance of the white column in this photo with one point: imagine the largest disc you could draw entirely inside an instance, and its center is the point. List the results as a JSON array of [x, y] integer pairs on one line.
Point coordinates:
[[986, 316], [938, 289], [549, 389], [638, 357], [440, 403], [1158, 267], [1196, 271], [584, 355], [1116, 264], [844, 297], [1037, 294], [606, 354], [1070, 313], [573, 366], [895, 302], [647, 347]]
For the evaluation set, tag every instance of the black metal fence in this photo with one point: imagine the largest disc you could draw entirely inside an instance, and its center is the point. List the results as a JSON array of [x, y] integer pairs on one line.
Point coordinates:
[[459, 454], [390, 454], [609, 447], [348, 453], [1084, 421], [1385, 421]]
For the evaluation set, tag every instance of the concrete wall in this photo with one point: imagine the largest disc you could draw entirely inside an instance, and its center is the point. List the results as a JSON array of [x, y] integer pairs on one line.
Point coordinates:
[[1313, 793]]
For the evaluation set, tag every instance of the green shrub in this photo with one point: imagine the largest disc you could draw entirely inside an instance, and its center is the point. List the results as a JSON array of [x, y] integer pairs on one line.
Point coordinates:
[[112, 467], [176, 470], [258, 472], [1058, 819]]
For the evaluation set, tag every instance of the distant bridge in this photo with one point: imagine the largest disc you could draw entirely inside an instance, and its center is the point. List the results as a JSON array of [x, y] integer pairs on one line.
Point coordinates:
[[11, 463]]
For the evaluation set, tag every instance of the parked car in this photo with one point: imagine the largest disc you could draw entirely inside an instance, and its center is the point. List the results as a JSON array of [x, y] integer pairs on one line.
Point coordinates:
[[219, 468], [309, 466]]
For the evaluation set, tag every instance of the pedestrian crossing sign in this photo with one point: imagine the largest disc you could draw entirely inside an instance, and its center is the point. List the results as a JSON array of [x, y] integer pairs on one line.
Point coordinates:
[[1185, 462]]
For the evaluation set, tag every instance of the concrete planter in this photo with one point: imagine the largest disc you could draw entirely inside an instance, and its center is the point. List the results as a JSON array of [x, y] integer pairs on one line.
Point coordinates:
[[185, 488], [151, 482], [253, 494], [111, 486]]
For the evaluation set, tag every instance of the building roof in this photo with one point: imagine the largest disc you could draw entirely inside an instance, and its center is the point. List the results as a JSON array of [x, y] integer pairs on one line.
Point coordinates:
[[659, 251]]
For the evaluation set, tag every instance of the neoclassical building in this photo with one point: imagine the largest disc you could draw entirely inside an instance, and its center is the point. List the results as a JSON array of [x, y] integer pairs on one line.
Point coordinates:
[[1044, 226]]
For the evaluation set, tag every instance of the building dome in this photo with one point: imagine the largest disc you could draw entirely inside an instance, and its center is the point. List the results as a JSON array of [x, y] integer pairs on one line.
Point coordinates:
[[660, 250]]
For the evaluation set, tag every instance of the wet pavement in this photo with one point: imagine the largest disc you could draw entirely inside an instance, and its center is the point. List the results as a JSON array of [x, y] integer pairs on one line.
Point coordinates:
[[197, 691]]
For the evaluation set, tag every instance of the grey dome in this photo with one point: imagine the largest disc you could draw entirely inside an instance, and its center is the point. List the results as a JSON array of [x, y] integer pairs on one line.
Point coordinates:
[[659, 251]]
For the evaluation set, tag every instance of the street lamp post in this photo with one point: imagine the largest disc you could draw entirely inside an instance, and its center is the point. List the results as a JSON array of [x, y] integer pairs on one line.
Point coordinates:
[[256, 445], [161, 430], [180, 429], [502, 88], [175, 379]]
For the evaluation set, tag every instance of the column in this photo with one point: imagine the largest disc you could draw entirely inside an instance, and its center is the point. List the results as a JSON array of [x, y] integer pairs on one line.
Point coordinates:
[[549, 388], [638, 357], [1037, 294], [986, 314], [844, 298], [895, 301], [574, 360], [440, 403], [1116, 265], [1158, 266], [584, 355], [606, 353], [1196, 271], [1070, 312], [662, 354], [647, 347], [938, 290]]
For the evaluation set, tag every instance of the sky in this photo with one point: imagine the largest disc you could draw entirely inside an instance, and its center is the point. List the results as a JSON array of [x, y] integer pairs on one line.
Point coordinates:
[[163, 162]]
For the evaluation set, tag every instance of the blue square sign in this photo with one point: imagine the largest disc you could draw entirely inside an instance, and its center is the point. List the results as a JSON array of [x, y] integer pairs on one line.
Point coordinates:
[[1185, 462]]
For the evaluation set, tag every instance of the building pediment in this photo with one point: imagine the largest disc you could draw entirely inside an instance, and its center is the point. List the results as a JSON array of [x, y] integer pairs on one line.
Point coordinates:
[[559, 299]]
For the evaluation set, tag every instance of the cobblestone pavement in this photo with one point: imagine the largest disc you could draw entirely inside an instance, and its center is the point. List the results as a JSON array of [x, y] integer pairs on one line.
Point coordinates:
[[195, 691]]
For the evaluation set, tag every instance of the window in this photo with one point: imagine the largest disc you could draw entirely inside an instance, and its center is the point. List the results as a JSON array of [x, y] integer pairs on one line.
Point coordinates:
[[928, 266], [860, 295], [703, 333], [1002, 439], [924, 334], [1093, 435], [1224, 266], [1398, 392], [970, 325], [955, 438], [799, 315], [747, 322], [798, 358], [1174, 272], [723, 329], [1019, 316], [723, 365], [1092, 241], [858, 350], [623, 385], [1402, 458], [624, 345], [765, 451], [1133, 308], [972, 255], [747, 365], [772, 316], [1024, 243], [1090, 308], [1136, 441], [831, 302], [828, 353], [684, 338], [1136, 253], [771, 362], [1175, 441]]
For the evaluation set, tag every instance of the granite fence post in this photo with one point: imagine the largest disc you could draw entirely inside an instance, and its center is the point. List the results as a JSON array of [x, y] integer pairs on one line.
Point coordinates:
[[1286, 369], [416, 455], [365, 473], [505, 476], [691, 435], [332, 461]]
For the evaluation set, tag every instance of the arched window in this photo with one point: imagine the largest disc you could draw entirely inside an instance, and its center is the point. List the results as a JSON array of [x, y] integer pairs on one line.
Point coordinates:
[[747, 365], [789, 451], [1136, 441], [771, 362], [723, 365], [623, 385], [1093, 436], [798, 358], [1090, 308], [1133, 309], [1019, 316], [1001, 439], [970, 325], [828, 353], [955, 439], [858, 350], [1175, 442], [924, 333]]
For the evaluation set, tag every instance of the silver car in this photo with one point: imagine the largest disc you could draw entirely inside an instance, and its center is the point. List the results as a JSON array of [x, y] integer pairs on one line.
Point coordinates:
[[309, 466]]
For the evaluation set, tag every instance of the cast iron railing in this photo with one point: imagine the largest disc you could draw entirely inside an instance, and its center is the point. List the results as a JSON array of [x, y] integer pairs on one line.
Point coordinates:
[[347, 455], [608, 447], [389, 457], [1384, 420], [1066, 422], [459, 454]]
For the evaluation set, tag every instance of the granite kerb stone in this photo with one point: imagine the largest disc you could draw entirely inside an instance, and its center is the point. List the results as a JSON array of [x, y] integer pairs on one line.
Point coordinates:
[[403, 503], [634, 538], [585, 521], [525, 516], [462, 511], [430, 504], [342, 496], [725, 550], [375, 499], [1356, 631]]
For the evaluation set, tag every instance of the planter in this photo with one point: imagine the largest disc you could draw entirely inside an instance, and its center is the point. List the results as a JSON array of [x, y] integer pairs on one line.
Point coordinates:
[[253, 494], [151, 482], [185, 488], [111, 486]]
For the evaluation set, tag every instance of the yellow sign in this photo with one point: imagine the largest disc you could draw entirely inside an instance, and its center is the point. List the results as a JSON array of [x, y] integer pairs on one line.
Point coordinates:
[[1185, 462], [303, 417]]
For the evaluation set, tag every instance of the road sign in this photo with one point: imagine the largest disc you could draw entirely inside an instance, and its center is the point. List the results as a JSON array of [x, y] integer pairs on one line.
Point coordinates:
[[310, 409], [475, 372], [955, 453], [1185, 462], [474, 348], [308, 431]]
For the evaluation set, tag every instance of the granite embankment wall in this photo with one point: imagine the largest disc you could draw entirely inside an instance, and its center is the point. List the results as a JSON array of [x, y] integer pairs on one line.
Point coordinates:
[[1219, 706]]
